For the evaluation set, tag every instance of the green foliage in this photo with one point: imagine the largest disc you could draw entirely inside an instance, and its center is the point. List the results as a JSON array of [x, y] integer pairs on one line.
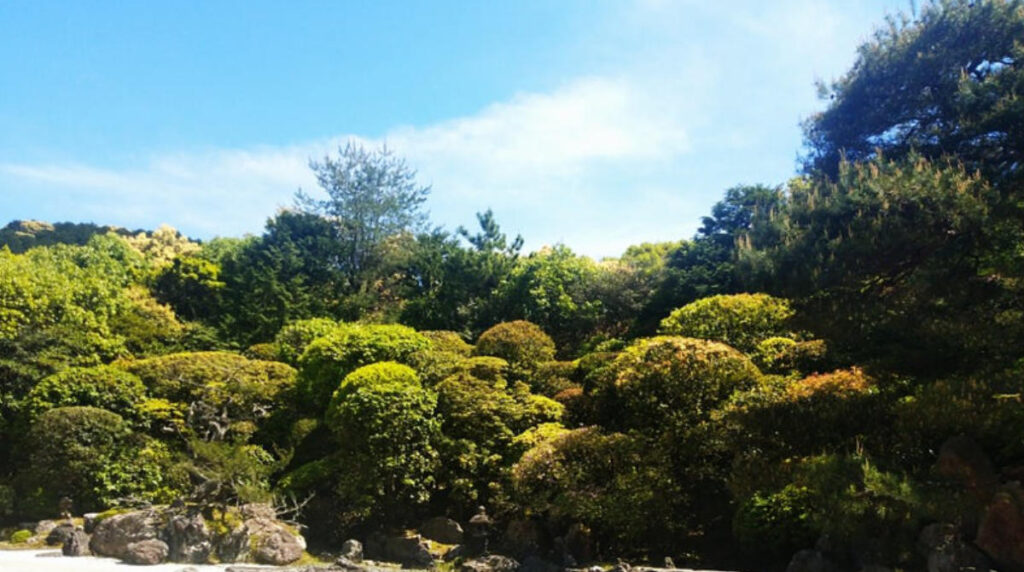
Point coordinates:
[[553, 377], [666, 383], [446, 341], [773, 526], [555, 289], [946, 83], [480, 421], [20, 536], [739, 320], [450, 285], [105, 387], [295, 337], [67, 449], [371, 196], [890, 265], [608, 482], [327, 360], [191, 285], [837, 411], [386, 428], [230, 471], [222, 389], [522, 344]]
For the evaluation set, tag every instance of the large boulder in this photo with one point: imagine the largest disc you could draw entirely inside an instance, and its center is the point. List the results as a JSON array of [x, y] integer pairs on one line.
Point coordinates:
[[277, 548], [945, 551], [442, 529], [146, 552], [1001, 531], [113, 534], [261, 538], [77, 544], [188, 538], [409, 551]]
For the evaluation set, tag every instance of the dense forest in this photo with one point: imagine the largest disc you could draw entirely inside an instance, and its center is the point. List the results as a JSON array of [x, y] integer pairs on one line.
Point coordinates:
[[834, 363]]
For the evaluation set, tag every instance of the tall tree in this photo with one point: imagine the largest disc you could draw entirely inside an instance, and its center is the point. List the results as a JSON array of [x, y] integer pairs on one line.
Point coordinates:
[[371, 196], [947, 83]]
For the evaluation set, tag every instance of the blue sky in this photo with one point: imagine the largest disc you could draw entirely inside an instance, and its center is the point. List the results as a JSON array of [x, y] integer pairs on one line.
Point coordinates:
[[597, 124]]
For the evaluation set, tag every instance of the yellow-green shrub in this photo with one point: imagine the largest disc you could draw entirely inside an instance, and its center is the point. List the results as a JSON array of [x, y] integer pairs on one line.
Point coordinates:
[[739, 320]]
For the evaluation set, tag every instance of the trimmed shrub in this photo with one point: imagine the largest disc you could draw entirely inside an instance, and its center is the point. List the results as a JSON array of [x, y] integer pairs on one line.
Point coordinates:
[[773, 526], [485, 367], [739, 320], [447, 341], [607, 482], [293, 339], [522, 344], [102, 386], [329, 359], [385, 425], [20, 536], [669, 382]]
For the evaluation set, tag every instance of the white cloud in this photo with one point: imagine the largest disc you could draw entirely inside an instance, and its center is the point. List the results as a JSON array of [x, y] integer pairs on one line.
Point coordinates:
[[637, 149]]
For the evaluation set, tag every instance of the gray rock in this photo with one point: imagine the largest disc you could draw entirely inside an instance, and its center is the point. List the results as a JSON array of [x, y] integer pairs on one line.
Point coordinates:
[[278, 548], [188, 538], [945, 551], [347, 564], [409, 551], [352, 549], [113, 535], [443, 530], [59, 534], [89, 521], [262, 537], [492, 563], [146, 552], [42, 528], [77, 544]]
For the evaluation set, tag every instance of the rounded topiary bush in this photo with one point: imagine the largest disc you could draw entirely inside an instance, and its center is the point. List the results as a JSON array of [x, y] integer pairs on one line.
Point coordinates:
[[100, 386], [191, 375], [668, 381], [329, 359], [293, 339], [739, 320], [386, 427], [448, 341], [522, 344]]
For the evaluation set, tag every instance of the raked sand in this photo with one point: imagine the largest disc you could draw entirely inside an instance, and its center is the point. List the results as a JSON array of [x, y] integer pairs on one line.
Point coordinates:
[[53, 561]]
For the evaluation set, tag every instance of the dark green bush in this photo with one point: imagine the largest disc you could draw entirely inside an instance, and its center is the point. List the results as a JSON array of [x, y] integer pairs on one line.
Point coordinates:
[[609, 482], [67, 450]]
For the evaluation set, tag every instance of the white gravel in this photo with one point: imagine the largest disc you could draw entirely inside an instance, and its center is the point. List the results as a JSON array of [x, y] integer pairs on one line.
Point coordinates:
[[53, 561]]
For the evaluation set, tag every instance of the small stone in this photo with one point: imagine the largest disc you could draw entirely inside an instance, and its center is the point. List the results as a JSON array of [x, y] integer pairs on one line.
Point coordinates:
[[77, 544], [352, 550]]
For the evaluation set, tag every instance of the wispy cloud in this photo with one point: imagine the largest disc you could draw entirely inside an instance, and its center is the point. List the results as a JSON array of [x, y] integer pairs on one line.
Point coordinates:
[[636, 149]]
